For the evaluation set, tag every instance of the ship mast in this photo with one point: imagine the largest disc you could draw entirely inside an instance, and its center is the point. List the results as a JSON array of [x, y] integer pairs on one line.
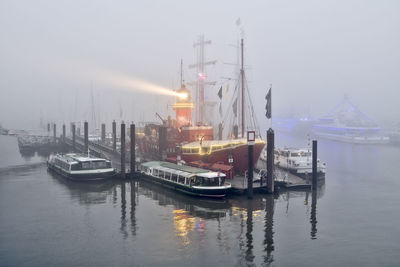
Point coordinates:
[[201, 76], [181, 73], [242, 79]]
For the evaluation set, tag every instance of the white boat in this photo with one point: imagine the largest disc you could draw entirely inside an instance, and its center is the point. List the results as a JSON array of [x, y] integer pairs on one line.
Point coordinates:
[[297, 161], [186, 179], [81, 167]]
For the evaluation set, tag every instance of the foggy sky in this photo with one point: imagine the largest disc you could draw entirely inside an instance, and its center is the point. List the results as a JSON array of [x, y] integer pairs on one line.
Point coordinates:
[[312, 52]]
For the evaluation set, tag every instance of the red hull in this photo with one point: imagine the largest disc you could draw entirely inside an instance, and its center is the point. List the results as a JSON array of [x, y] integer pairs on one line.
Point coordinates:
[[239, 155]]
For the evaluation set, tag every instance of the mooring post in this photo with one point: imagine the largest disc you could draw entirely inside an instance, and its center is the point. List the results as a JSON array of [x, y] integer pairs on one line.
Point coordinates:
[[63, 136], [73, 137], [123, 149], [86, 136], [103, 133], [314, 165], [133, 145], [250, 156], [55, 132], [270, 160], [114, 135]]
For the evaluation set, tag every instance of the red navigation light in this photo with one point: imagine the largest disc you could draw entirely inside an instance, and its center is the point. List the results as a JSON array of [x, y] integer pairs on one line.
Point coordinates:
[[202, 76]]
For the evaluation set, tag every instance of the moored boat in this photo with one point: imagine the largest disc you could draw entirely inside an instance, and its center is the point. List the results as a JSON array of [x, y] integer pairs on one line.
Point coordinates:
[[186, 179], [81, 167], [297, 161]]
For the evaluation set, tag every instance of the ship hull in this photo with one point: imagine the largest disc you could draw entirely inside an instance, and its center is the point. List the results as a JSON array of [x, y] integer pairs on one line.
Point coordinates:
[[189, 190], [239, 156], [87, 177]]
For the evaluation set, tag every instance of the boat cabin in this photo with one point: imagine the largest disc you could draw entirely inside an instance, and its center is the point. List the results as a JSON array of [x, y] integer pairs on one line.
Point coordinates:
[[77, 162], [181, 174]]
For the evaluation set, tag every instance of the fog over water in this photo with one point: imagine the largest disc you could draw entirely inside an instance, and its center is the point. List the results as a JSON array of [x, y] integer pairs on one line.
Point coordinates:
[[312, 52]]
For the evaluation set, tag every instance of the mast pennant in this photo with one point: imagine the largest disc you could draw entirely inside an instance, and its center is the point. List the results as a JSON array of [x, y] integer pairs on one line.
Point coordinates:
[[268, 112]]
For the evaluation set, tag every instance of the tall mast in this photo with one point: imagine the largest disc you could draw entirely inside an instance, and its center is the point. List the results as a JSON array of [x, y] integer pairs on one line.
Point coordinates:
[[181, 73], [242, 78], [201, 76]]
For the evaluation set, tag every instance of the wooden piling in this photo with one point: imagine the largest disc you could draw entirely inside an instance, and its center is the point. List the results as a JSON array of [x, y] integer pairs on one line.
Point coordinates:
[[270, 160], [114, 135], [73, 137], [314, 165], [123, 150], [86, 136], [55, 133], [133, 145], [63, 135], [103, 133], [250, 156], [48, 128]]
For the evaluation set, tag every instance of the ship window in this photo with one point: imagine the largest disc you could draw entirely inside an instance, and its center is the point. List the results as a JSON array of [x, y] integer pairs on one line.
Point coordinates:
[[211, 181], [86, 165], [174, 177], [181, 179], [198, 180], [296, 154], [99, 164], [74, 167], [194, 150]]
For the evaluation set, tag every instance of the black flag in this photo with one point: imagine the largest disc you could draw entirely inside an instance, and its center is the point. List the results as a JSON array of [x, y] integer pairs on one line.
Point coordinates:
[[268, 112], [220, 93], [234, 106]]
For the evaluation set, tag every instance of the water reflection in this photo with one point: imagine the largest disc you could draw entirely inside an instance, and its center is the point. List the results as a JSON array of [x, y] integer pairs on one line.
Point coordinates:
[[197, 207], [313, 218], [269, 230], [249, 235], [258, 210], [124, 220], [123, 211], [133, 207], [86, 193], [250, 225]]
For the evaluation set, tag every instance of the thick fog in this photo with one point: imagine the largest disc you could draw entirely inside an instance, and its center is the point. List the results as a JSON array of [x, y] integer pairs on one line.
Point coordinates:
[[56, 57]]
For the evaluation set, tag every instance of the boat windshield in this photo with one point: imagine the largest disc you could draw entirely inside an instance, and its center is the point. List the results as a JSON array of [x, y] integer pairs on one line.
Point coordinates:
[[98, 164], [202, 181]]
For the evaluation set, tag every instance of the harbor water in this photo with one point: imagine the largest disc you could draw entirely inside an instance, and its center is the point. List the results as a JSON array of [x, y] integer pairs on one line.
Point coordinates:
[[353, 219]]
